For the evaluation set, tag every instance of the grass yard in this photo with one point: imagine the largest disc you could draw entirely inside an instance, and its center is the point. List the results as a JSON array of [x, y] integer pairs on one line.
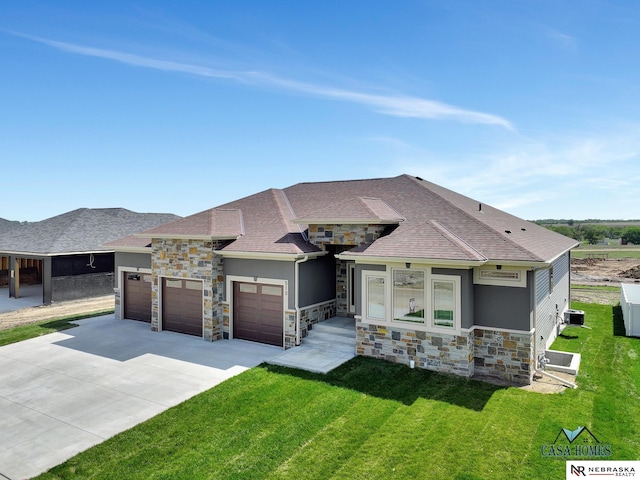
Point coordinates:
[[31, 330], [612, 251], [374, 420]]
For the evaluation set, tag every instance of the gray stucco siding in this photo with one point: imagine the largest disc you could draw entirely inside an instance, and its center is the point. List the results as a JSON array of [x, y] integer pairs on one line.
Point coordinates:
[[552, 299], [273, 269], [134, 260], [317, 281], [502, 307]]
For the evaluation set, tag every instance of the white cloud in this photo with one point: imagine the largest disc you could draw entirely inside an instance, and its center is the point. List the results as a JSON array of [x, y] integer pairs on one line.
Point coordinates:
[[393, 105], [561, 39], [570, 177]]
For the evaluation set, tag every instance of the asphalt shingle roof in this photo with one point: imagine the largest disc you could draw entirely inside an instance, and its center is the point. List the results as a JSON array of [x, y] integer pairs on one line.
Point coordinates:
[[6, 225], [432, 222], [81, 230]]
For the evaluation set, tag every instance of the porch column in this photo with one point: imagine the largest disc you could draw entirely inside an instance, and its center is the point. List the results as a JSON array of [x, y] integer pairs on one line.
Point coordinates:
[[46, 281], [14, 277]]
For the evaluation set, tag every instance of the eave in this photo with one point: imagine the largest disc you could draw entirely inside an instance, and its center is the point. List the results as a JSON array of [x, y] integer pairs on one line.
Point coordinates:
[[347, 221], [379, 260], [268, 255], [175, 236], [49, 254]]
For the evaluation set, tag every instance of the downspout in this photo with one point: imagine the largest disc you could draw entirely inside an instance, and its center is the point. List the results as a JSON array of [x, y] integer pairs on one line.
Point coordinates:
[[296, 281]]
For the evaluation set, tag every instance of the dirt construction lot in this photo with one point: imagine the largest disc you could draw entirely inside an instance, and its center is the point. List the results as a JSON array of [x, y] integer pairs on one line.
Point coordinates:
[[587, 273], [57, 310]]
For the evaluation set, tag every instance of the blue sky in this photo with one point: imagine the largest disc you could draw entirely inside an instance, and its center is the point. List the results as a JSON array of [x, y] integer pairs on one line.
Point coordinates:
[[530, 106]]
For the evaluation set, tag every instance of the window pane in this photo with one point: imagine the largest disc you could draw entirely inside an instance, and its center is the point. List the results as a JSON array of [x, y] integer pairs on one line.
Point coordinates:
[[443, 303], [248, 288], [408, 295], [270, 290], [375, 297]]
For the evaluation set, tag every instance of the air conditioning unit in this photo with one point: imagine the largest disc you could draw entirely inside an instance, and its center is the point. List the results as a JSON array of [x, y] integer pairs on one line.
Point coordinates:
[[574, 317]]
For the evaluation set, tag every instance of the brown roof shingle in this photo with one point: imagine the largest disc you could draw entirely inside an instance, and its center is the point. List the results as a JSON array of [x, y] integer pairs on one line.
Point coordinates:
[[433, 223]]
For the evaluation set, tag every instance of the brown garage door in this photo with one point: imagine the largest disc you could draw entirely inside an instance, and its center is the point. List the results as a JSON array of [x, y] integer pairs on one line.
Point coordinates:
[[182, 306], [137, 296], [257, 312]]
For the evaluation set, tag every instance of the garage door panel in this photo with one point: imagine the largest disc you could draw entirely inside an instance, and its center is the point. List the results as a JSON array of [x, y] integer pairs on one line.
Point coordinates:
[[137, 296], [182, 306], [258, 313]]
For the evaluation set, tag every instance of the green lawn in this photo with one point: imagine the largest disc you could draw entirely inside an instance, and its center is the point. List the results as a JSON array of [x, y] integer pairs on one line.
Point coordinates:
[[32, 330], [374, 420], [613, 251]]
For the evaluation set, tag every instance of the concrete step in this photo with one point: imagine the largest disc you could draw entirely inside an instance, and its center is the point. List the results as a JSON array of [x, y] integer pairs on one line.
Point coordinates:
[[330, 342], [327, 328]]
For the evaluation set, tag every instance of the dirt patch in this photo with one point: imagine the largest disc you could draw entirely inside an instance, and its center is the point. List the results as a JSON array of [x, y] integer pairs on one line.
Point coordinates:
[[590, 272], [57, 310], [605, 270]]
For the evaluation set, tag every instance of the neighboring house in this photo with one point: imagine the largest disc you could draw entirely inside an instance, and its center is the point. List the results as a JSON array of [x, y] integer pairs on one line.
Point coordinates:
[[432, 277], [5, 225], [65, 253]]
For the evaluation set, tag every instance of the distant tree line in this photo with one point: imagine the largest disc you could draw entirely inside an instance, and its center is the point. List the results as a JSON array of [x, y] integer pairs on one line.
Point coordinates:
[[593, 233]]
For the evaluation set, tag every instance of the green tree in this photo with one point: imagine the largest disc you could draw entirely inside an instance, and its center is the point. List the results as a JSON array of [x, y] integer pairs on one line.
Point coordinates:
[[593, 233], [632, 235]]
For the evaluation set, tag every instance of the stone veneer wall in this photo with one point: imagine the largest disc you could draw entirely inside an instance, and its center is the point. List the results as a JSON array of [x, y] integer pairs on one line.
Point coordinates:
[[290, 329], [308, 317], [117, 312], [342, 293], [505, 355], [191, 259], [344, 234], [432, 351], [349, 235]]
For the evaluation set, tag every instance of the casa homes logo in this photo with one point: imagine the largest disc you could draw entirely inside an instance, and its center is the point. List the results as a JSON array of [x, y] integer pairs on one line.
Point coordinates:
[[578, 443], [601, 468]]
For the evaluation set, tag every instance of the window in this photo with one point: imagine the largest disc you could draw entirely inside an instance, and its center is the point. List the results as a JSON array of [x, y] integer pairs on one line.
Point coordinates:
[[375, 296], [500, 276], [444, 303], [408, 295], [412, 297]]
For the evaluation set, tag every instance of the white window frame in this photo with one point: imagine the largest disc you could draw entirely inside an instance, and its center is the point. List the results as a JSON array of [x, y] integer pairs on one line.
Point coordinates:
[[455, 279], [351, 287], [425, 297], [376, 274], [428, 324], [500, 277]]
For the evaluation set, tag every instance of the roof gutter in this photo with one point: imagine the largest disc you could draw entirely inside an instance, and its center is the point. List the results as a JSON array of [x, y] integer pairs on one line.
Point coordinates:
[[267, 255], [431, 261], [177, 236], [51, 254]]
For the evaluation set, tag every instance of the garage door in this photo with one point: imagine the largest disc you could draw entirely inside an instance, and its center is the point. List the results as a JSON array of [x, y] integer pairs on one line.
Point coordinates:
[[182, 306], [137, 296], [257, 313]]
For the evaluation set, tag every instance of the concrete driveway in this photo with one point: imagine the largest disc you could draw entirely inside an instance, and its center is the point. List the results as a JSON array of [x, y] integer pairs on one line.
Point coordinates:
[[64, 392]]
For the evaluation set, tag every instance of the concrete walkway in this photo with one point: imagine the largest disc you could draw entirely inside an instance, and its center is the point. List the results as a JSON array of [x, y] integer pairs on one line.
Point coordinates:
[[327, 346], [65, 392]]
